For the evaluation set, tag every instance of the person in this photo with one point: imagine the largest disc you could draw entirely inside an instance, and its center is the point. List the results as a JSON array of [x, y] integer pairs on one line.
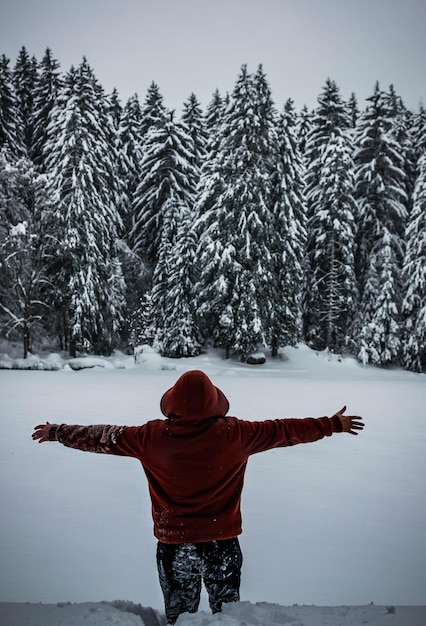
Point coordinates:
[[195, 461]]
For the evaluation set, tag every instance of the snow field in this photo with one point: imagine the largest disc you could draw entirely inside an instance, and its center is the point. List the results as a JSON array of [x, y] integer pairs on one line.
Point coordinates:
[[336, 523]]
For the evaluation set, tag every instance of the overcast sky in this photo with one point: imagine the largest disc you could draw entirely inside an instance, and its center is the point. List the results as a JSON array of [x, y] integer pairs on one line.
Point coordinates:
[[199, 45]]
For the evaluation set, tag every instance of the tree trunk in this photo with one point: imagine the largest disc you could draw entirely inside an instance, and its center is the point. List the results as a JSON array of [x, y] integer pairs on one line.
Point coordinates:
[[26, 330], [26, 341], [331, 304]]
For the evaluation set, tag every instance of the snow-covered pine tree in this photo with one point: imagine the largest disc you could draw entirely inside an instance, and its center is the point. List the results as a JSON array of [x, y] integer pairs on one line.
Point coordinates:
[[235, 221], [137, 122], [288, 241], [115, 109], [141, 329], [418, 134], [304, 127], [209, 183], [214, 114], [330, 294], [401, 121], [175, 329], [22, 276], [25, 75], [130, 155], [380, 191], [330, 116], [46, 91], [417, 148], [166, 172], [379, 338], [353, 109], [154, 113], [331, 291], [135, 275], [84, 219], [10, 128], [414, 277], [193, 119]]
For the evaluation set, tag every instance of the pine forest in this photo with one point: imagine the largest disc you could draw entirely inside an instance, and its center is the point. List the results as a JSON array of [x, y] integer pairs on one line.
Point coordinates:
[[241, 227]]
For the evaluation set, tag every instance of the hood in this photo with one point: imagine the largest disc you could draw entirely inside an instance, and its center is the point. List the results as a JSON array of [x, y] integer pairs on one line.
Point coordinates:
[[194, 397]]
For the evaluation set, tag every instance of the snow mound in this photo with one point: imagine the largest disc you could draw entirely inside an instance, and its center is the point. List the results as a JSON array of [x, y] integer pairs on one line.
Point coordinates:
[[51, 363], [88, 362]]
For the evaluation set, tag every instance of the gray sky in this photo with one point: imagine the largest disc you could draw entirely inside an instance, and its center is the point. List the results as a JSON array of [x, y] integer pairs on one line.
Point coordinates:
[[199, 45]]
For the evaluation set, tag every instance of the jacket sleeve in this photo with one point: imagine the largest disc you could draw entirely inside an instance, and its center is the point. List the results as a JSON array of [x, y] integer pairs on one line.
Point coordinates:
[[261, 436], [101, 438]]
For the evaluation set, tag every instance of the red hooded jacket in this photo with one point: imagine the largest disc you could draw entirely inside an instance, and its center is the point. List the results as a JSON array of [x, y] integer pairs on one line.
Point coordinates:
[[195, 459]]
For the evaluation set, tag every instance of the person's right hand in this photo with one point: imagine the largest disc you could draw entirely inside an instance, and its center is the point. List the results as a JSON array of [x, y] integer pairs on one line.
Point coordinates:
[[350, 423], [41, 432]]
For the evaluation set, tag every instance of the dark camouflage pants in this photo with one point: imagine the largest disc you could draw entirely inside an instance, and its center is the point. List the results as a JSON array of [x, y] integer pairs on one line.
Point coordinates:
[[183, 567]]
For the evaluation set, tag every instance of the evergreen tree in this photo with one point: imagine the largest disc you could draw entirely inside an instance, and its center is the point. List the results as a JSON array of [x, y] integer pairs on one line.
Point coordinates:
[[330, 295], [400, 123], [154, 113], [380, 190], [45, 93], [115, 109], [135, 127], [288, 241], [166, 172], [329, 118], [214, 114], [112, 109], [210, 184], [379, 338], [353, 110], [10, 131], [22, 277], [25, 76], [304, 127], [418, 134], [141, 323], [130, 151], [130, 157], [84, 219], [193, 118], [414, 277], [417, 137], [234, 218], [174, 324]]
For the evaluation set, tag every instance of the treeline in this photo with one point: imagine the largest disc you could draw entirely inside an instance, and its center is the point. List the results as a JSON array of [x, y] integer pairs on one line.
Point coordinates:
[[240, 226]]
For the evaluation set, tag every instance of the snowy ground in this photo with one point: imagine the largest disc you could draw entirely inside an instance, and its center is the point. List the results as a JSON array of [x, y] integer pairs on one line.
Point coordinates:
[[340, 523], [241, 614]]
